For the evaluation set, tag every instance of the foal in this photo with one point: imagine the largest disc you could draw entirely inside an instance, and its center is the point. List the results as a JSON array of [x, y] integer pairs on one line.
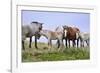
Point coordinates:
[[52, 35]]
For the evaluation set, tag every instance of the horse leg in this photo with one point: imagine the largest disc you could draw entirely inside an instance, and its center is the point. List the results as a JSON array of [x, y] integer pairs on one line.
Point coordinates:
[[66, 42], [23, 45], [49, 44], [81, 43], [69, 43], [74, 43], [36, 42], [86, 42], [30, 42], [58, 43], [77, 42], [61, 44]]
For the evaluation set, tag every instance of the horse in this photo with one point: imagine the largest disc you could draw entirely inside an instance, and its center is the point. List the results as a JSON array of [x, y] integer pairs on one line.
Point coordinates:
[[71, 34], [59, 29], [30, 30], [52, 35], [84, 37]]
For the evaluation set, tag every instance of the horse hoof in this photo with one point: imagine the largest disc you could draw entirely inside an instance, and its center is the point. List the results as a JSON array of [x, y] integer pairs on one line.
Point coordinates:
[[29, 46], [36, 47], [45, 48]]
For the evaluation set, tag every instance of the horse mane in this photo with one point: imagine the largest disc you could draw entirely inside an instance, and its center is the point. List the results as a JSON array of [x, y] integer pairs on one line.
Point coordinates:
[[57, 28], [69, 29], [76, 28], [34, 22]]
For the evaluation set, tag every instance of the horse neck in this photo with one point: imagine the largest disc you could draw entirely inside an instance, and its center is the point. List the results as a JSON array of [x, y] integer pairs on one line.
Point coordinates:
[[71, 32], [25, 29], [44, 33], [76, 30], [33, 28]]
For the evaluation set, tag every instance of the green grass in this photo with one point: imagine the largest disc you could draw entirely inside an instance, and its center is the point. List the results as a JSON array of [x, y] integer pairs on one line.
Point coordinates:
[[42, 54]]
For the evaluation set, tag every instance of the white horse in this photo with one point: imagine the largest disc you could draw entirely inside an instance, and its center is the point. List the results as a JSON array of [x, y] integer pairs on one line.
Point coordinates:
[[52, 35], [84, 37]]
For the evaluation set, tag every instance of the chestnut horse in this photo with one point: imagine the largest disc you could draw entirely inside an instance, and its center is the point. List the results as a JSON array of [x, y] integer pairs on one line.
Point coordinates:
[[71, 34]]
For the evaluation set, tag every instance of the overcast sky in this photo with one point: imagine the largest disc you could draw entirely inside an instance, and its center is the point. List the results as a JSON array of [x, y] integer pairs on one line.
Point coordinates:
[[53, 19]]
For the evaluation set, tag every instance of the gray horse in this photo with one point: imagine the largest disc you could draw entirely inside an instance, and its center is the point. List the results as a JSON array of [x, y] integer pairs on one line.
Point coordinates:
[[30, 30], [84, 37]]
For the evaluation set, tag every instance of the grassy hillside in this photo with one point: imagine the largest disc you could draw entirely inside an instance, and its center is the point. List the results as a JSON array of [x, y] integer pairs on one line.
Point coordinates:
[[43, 54]]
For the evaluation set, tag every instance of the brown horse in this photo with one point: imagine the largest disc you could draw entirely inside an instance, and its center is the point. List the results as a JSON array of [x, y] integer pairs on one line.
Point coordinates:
[[71, 34]]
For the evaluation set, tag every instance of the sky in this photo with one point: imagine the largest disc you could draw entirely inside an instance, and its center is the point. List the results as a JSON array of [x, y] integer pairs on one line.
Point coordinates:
[[53, 19]]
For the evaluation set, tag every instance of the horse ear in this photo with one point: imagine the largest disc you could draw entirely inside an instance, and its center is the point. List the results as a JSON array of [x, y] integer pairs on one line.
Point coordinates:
[[34, 22], [65, 26], [41, 23]]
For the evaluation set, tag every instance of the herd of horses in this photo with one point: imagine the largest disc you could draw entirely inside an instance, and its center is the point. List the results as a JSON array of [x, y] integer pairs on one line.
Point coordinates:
[[65, 32]]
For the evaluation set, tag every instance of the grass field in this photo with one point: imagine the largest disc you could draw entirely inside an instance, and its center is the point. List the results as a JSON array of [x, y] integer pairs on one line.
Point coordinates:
[[43, 54]]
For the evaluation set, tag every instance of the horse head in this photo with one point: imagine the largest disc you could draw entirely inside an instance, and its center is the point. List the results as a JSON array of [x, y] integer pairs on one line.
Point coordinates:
[[65, 30], [37, 27]]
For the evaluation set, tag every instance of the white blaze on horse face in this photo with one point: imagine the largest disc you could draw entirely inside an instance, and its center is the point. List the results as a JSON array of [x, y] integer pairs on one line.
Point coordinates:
[[65, 33]]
